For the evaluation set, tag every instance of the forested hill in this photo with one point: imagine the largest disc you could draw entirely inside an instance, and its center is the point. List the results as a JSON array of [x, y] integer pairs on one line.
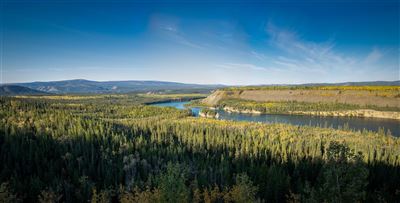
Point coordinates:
[[11, 90], [87, 86]]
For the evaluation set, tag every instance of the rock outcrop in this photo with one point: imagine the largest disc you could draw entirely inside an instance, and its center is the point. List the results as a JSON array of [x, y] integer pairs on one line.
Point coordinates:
[[365, 113], [208, 114]]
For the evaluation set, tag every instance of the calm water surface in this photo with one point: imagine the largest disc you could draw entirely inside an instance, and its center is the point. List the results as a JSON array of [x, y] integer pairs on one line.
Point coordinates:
[[373, 124]]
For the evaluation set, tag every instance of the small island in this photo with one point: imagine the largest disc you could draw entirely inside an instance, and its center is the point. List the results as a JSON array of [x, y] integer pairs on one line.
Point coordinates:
[[208, 113]]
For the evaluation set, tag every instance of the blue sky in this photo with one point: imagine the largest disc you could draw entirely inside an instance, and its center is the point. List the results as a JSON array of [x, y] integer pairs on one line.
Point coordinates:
[[225, 42]]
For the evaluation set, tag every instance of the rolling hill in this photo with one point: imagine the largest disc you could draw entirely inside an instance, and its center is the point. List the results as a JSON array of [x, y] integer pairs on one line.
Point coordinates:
[[11, 90], [87, 86]]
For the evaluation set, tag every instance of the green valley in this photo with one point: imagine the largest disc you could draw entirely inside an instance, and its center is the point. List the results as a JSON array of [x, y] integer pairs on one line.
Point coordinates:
[[114, 148], [199, 101]]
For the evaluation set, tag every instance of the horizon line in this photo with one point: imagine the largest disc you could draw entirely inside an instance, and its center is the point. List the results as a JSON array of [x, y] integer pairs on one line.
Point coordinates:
[[205, 84]]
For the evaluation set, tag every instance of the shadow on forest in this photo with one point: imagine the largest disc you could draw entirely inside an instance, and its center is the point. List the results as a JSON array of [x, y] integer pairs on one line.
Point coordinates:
[[134, 156]]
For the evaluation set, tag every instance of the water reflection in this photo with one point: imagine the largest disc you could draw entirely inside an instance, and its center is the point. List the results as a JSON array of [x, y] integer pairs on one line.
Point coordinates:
[[373, 124]]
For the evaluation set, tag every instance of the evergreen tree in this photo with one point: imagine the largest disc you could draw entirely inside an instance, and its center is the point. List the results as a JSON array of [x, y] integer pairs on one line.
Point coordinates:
[[344, 178]]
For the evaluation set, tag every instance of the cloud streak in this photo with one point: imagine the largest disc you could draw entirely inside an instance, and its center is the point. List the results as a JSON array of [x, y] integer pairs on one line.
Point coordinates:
[[308, 56], [305, 55], [258, 55], [244, 66], [374, 56], [179, 37], [169, 27]]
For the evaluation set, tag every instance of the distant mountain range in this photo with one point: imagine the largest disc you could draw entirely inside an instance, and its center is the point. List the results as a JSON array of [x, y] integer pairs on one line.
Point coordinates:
[[368, 83], [87, 86], [11, 90], [80, 86], [372, 83]]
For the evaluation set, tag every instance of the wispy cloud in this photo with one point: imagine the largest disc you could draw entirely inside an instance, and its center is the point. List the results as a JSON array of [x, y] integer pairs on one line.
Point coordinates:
[[373, 56], [243, 66], [286, 64], [307, 55], [258, 55], [178, 36], [169, 27]]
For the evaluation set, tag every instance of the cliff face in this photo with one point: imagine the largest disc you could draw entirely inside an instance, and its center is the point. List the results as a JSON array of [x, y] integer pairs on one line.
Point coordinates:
[[214, 98], [364, 113], [358, 97], [206, 115], [233, 110]]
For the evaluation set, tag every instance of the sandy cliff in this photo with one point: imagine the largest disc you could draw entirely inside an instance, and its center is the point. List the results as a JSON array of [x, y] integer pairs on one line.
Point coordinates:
[[350, 96]]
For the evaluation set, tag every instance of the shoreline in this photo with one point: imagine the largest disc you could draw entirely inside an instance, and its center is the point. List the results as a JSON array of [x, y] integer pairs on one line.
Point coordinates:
[[173, 100], [361, 113]]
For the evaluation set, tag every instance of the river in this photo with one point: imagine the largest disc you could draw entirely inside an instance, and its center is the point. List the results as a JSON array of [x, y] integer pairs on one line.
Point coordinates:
[[373, 124]]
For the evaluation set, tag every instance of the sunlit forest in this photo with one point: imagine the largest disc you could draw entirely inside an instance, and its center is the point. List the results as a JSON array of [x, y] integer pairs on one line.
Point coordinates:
[[115, 148], [199, 101]]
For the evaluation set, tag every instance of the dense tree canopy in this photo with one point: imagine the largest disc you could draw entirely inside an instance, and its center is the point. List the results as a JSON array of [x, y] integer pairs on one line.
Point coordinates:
[[112, 149]]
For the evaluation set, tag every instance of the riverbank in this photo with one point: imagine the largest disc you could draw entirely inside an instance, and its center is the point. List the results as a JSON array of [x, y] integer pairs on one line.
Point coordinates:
[[185, 99], [353, 101], [384, 97], [208, 113], [363, 113], [339, 122]]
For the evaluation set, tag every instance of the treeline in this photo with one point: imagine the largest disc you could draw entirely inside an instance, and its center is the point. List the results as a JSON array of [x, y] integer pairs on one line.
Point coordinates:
[[331, 87], [118, 99], [286, 107], [76, 152]]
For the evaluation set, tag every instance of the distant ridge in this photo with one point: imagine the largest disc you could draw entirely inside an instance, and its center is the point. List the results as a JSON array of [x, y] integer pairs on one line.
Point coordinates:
[[12, 90], [371, 83], [82, 86], [368, 83], [88, 86]]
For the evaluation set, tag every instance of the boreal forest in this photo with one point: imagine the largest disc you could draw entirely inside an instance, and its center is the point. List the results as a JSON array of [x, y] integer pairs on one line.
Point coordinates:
[[115, 148]]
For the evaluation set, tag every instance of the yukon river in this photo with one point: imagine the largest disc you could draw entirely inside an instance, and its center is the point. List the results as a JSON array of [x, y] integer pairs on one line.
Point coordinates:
[[373, 124]]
